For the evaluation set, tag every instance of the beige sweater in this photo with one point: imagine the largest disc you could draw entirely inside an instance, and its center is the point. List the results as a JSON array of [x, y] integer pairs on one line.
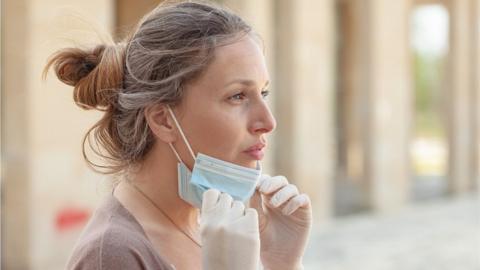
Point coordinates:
[[113, 240]]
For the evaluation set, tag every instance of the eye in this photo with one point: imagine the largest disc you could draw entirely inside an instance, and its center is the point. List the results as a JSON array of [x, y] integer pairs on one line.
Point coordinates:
[[239, 96], [265, 93]]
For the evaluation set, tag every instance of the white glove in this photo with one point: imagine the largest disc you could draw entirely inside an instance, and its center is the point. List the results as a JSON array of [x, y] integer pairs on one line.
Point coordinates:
[[230, 233], [285, 218]]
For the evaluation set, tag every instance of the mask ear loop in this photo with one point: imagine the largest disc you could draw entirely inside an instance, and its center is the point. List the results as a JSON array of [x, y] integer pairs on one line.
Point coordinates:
[[183, 137], [175, 152]]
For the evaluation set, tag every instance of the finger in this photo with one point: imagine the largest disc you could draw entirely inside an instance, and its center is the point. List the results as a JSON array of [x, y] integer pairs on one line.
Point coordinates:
[[263, 177], [252, 216], [210, 199], [225, 201], [238, 209], [251, 213], [283, 195], [273, 184], [256, 202], [238, 206], [296, 202]]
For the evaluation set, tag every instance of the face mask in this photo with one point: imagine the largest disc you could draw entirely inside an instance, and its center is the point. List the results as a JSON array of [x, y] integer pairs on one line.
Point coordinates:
[[209, 172]]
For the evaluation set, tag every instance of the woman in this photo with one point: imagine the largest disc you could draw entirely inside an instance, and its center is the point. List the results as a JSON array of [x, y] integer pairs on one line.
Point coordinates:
[[184, 126]]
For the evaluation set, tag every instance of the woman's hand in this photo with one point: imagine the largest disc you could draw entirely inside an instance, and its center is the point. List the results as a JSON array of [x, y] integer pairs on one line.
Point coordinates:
[[285, 219], [230, 233]]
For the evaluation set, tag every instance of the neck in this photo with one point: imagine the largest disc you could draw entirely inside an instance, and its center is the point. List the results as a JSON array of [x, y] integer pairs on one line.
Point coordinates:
[[157, 180]]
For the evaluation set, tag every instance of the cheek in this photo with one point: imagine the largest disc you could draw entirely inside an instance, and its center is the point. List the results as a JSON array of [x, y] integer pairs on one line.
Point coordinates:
[[218, 134]]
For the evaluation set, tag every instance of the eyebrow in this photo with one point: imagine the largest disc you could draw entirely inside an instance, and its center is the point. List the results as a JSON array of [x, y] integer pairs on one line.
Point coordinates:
[[246, 83]]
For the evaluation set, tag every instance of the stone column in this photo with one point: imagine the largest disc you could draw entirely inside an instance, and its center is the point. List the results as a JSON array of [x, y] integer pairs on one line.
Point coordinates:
[[43, 172], [16, 155], [353, 107], [1, 130], [377, 100], [61, 181], [475, 100], [460, 95], [305, 57], [387, 76]]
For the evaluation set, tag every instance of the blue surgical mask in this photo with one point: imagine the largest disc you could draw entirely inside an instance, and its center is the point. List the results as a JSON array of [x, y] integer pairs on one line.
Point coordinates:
[[209, 172]]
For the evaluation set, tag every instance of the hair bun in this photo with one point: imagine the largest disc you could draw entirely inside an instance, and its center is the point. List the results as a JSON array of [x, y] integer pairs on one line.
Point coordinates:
[[94, 73], [73, 64]]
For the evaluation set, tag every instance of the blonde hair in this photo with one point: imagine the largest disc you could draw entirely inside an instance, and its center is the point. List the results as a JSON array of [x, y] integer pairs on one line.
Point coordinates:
[[171, 46]]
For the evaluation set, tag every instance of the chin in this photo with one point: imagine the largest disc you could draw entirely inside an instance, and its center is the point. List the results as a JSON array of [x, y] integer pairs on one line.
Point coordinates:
[[247, 161], [251, 164]]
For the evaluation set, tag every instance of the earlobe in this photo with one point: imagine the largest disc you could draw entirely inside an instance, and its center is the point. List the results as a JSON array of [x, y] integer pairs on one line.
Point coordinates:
[[160, 123]]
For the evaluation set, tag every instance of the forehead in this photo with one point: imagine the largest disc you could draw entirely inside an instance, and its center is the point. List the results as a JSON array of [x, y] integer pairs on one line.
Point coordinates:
[[242, 59], [243, 51]]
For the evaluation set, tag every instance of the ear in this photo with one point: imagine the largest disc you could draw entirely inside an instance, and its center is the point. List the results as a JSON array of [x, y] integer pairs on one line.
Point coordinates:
[[160, 122]]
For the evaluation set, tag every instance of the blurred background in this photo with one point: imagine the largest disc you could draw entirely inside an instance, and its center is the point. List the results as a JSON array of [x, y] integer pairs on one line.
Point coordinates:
[[378, 121]]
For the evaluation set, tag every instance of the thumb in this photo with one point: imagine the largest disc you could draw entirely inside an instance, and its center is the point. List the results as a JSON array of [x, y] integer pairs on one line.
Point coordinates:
[[256, 199], [210, 199], [256, 202]]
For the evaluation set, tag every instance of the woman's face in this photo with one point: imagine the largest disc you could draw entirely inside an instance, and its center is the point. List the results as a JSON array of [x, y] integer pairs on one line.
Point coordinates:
[[224, 112]]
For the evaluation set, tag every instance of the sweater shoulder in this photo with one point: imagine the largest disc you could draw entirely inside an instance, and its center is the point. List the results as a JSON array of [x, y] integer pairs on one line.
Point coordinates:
[[114, 240]]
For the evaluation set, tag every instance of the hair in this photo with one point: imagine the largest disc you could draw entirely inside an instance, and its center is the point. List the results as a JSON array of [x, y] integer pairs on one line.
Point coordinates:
[[171, 46]]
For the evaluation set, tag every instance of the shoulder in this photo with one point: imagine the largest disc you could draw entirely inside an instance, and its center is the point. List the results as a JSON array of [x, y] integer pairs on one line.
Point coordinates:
[[103, 252], [112, 240]]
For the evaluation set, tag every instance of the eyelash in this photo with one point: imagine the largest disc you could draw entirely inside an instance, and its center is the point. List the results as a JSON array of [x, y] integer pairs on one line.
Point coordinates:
[[265, 94]]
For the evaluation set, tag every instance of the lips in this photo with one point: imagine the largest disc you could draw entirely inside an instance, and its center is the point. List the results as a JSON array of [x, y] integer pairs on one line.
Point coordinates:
[[256, 151]]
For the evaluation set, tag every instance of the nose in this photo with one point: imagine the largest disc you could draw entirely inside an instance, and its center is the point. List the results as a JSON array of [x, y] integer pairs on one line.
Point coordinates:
[[263, 120]]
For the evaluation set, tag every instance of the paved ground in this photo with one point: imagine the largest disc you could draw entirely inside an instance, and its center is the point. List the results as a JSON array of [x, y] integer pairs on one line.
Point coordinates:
[[440, 234]]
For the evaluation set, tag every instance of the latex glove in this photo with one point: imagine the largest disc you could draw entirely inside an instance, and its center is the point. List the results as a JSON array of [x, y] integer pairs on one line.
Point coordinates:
[[230, 233], [285, 219]]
